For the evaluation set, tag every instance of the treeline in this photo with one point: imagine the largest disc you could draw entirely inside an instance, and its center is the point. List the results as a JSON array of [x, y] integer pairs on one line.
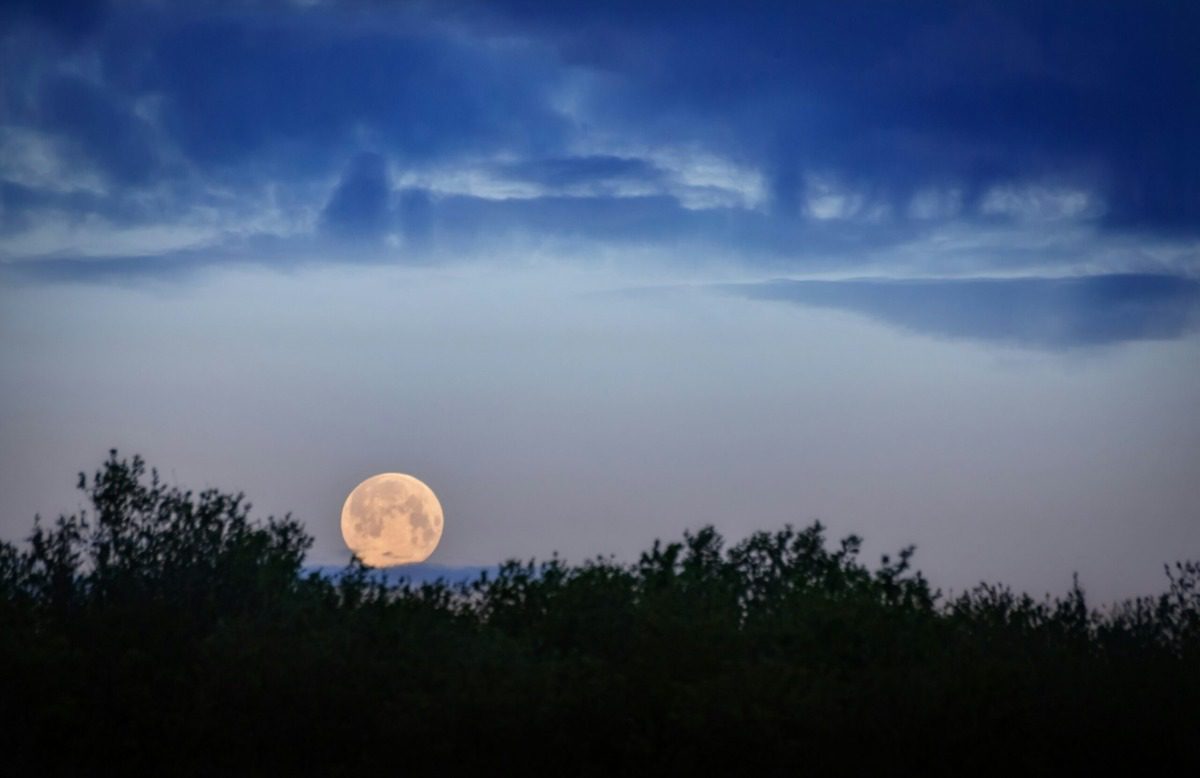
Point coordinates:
[[165, 629]]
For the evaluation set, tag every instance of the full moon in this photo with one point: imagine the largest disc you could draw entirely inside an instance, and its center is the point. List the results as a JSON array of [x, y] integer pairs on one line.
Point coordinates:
[[392, 519]]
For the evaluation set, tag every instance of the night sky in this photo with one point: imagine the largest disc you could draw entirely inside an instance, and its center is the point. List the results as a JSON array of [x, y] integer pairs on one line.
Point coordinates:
[[600, 272]]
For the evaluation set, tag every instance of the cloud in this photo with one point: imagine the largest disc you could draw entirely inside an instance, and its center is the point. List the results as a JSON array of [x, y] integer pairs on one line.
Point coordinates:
[[415, 213], [103, 129], [774, 136], [359, 208], [1043, 313], [589, 170], [903, 96], [244, 84]]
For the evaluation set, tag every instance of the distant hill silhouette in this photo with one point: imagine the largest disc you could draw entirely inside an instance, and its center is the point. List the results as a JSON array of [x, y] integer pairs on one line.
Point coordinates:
[[167, 631], [420, 573]]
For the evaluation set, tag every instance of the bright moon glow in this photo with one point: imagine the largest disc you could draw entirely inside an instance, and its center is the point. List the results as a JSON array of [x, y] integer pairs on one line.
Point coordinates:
[[392, 519]]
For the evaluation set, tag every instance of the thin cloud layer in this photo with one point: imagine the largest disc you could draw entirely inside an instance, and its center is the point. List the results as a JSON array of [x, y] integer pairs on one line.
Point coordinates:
[[796, 135], [1043, 313]]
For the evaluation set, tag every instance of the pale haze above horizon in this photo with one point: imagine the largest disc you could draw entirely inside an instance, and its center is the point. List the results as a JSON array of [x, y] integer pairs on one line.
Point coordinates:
[[927, 273]]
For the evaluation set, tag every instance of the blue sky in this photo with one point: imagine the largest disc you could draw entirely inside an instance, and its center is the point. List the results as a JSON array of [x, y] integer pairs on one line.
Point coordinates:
[[232, 233]]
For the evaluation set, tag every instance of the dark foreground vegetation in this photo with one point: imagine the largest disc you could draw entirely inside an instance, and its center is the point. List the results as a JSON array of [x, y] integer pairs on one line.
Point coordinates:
[[167, 630]]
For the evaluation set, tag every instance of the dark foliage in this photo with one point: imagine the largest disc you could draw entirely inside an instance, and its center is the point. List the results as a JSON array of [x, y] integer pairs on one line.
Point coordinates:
[[166, 629]]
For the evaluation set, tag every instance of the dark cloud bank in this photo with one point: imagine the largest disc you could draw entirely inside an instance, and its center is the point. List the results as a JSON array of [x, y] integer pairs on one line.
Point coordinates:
[[1048, 313]]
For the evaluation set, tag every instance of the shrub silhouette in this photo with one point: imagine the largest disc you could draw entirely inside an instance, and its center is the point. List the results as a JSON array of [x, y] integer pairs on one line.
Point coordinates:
[[165, 627]]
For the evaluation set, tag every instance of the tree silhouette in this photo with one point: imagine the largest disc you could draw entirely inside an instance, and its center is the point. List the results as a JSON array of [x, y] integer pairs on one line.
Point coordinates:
[[166, 628], [146, 544]]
